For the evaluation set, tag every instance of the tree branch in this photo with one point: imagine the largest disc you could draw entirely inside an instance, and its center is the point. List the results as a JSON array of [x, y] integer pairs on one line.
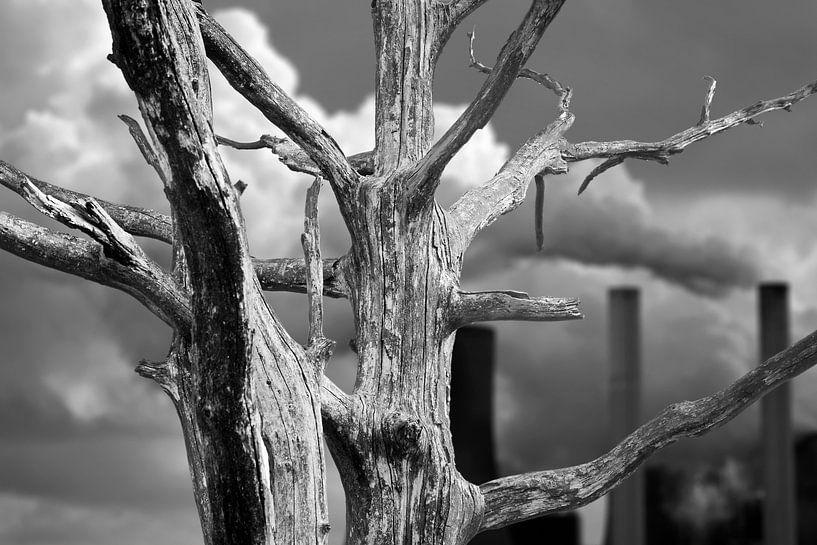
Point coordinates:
[[248, 78], [539, 212], [289, 274], [481, 206], [136, 221], [143, 280], [468, 307], [144, 146], [617, 151], [283, 274], [158, 48], [511, 59], [545, 80], [318, 346], [521, 497], [161, 294], [296, 159]]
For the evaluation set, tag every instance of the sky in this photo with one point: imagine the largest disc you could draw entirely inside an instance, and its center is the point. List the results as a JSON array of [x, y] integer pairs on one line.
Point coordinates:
[[88, 450]]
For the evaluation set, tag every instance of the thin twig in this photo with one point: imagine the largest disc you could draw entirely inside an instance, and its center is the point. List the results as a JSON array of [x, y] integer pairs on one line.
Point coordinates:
[[564, 93], [661, 151], [144, 145], [710, 94], [605, 166], [539, 211]]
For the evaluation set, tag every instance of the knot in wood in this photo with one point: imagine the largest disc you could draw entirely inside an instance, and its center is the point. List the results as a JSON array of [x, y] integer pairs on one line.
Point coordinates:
[[404, 434]]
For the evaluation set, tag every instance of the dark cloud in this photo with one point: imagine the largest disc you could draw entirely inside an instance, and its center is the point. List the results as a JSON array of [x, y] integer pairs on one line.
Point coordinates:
[[612, 225]]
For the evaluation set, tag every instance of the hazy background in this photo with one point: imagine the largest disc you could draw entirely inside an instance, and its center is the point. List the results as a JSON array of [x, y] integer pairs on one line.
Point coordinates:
[[92, 454]]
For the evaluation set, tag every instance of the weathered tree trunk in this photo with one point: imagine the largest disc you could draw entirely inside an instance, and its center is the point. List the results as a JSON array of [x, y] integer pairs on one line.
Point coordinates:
[[253, 403], [396, 458]]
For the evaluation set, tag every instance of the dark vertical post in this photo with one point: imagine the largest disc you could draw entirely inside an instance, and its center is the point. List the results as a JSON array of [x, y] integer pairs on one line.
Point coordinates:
[[472, 410], [778, 456], [626, 507]]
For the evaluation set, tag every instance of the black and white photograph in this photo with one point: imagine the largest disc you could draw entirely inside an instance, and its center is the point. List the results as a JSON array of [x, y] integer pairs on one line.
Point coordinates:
[[408, 272]]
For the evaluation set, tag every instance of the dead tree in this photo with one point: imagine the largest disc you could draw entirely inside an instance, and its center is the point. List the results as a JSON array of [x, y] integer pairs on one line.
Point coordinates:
[[253, 403]]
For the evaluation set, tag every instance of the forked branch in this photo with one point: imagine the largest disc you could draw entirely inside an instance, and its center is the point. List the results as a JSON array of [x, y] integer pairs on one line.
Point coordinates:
[[546, 80], [617, 151], [515, 53], [521, 497], [142, 279], [136, 221], [248, 78], [549, 152], [481, 206], [468, 307]]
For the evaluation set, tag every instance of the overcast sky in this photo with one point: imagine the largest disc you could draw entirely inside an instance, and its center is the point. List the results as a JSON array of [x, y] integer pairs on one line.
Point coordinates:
[[92, 454]]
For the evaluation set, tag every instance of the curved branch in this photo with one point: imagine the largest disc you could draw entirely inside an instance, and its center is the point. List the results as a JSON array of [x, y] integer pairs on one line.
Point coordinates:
[[545, 80], [147, 283], [661, 151], [521, 497], [136, 221], [511, 59], [296, 159], [248, 78], [483, 205]]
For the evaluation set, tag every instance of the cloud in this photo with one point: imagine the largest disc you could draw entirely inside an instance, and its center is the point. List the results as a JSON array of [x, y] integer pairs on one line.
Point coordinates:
[[612, 224]]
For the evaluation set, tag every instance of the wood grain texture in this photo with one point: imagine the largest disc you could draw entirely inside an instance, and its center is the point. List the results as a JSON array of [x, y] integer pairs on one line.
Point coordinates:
[[248, 399]]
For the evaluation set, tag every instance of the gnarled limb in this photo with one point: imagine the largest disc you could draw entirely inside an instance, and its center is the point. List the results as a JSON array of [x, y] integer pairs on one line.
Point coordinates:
[[248, 78], [510, 61], [615, 152], [521, 497], [481, 206], [136, 221], [143, 280], [296, 159], [468, 307], [157, 288]]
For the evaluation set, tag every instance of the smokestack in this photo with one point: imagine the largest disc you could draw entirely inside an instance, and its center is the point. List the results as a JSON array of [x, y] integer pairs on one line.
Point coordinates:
[[626, 520], [779, 527], [472, 408]]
